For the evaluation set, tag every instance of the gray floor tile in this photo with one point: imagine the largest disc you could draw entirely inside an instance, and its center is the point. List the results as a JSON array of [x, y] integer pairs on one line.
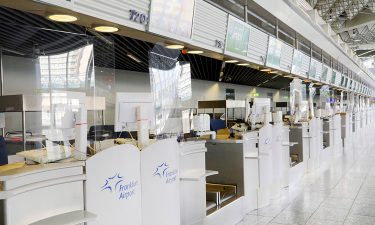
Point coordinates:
[[340, 203], [359, 220], [363, 209], [342, 194], [256, 220], [334, 214], [323, 222], [292, 217]]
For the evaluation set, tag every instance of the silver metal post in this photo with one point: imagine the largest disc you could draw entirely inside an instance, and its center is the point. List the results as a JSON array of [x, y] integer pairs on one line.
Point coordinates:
[[245, 12], [24, 129], [103, 117]]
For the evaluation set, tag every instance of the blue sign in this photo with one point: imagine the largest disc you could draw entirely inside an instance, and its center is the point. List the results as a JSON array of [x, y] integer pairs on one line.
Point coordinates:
[[163, 171], [117, 185]]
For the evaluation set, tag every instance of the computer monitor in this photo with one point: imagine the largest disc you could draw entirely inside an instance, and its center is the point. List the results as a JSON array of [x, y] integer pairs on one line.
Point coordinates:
[[126, 110]]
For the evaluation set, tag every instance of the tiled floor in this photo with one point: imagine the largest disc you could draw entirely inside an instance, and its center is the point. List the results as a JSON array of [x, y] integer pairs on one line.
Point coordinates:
[[344, 194]]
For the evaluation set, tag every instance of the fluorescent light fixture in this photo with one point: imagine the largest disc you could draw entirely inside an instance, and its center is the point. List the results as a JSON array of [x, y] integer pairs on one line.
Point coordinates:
[[195, 52], [243, 64], [65, 18], [134, 58], [231, 61], [106, 29], [175, 46], [275, 71], [266, 70]]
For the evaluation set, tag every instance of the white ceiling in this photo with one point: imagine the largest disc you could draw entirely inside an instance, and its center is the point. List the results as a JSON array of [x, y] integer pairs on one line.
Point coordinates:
[[353, 20]]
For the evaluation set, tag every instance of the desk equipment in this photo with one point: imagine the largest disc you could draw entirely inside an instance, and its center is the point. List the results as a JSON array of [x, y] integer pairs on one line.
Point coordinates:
[[126, 110], [258, 112], [135, 112]]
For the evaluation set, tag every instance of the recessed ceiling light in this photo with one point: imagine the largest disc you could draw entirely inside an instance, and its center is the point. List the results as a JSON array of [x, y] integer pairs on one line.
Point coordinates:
[[134, 58], [195, 52], [175, 46], [106, 29], [266, 70], [62, 18], [231, 61], [243, 64]]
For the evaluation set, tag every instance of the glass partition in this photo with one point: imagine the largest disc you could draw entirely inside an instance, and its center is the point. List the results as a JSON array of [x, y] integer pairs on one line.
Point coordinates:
[[50, 88]]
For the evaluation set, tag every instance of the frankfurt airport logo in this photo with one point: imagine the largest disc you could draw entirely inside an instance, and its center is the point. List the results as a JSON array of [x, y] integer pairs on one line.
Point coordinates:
[[164, 172], [119, 187]]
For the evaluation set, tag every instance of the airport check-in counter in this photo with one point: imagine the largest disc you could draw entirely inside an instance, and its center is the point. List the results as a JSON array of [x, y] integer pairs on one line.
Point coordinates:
[[345, 130], [326, 134], [193, 175], [298, 149], [225, 191], [246, 164], [337, 143], [312, 136]]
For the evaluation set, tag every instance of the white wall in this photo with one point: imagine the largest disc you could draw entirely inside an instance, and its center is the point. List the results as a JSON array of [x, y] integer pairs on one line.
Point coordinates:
[[129, 81], [20, 78]]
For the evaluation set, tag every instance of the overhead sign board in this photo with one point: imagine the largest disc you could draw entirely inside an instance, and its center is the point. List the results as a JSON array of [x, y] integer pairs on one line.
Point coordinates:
[[274, 53], [238, 34], [173, 18]]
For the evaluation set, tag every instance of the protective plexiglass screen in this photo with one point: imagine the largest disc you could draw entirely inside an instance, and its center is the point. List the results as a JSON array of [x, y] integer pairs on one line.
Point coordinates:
[[47, 85], [171, 87]]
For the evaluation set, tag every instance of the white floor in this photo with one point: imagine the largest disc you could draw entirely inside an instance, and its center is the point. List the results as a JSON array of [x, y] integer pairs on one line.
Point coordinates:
[[343, 194]]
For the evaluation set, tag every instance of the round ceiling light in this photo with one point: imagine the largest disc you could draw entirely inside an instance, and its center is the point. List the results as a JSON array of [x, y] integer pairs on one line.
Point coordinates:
[[106, 29], [175, 46], [231, 61], [62, 18], [195, 52]]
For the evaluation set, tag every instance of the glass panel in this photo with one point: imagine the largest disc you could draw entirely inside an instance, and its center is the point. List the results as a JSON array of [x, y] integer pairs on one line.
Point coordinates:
[[51, 76]]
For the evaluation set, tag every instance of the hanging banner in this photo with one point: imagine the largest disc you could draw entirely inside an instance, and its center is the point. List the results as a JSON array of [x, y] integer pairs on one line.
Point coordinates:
[[238, 34], [323, 78], [274, 53], [297, 63], [173, 18], [301, 63]]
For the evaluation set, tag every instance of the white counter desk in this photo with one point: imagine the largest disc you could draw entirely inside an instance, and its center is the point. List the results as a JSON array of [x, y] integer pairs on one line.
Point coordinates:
[[43, 194]]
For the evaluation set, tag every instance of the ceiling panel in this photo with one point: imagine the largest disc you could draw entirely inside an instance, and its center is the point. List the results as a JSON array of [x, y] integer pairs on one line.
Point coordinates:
[[28, 35]]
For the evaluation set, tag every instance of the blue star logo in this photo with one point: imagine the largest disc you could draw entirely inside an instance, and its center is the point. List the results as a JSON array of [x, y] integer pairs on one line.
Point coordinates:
[[112, 183], [161, 170]]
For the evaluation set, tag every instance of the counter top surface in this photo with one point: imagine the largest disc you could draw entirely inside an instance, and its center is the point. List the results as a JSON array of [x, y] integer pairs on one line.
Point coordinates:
[[226, 141], [15, 170]]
